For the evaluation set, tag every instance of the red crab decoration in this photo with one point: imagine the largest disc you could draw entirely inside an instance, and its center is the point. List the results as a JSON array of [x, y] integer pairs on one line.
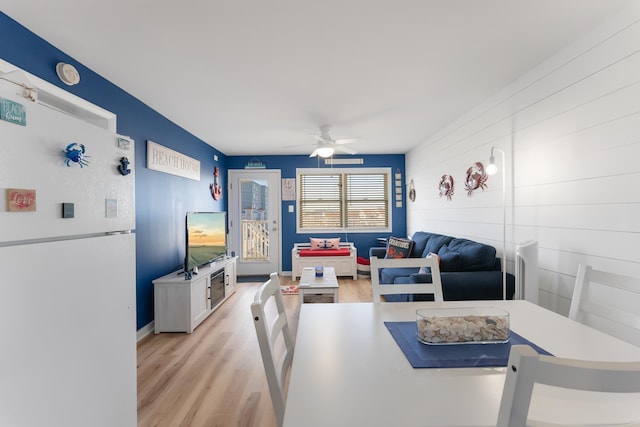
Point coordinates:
[[446, 186], [476, 178]]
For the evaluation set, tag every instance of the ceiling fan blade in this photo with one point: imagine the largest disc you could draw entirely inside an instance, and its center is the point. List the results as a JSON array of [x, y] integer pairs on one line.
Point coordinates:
[[300, 145], [314, 154], [345, 141], [345, 150]]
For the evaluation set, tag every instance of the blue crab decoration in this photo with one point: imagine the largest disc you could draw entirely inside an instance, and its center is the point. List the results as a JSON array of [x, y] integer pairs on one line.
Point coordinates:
[[75, 153]]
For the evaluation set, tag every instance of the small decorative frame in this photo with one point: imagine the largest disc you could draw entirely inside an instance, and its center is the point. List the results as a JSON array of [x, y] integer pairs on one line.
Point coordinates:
[[21, 200], [255, 164], [398, 182], [412, 191], [446, 186], [476, 178], [12, 112], [288, 189]]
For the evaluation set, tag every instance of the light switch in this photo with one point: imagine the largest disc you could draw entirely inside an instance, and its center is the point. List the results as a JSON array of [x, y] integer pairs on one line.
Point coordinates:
[[67, 210], [290, 208]]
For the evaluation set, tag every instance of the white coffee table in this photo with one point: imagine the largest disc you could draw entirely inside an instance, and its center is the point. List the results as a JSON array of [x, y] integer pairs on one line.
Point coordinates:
[[312, 285]]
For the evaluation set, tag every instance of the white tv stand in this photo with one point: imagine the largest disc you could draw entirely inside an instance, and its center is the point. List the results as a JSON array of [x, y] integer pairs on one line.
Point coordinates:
[[180, 305]]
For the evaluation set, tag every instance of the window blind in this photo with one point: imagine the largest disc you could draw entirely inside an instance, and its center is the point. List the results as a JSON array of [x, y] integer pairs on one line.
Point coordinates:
[[343, 200]]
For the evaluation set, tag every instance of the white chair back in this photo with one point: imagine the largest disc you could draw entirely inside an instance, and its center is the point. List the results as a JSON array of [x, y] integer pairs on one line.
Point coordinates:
[[434, 288], [607, 302], [526, 368], [275, 340]]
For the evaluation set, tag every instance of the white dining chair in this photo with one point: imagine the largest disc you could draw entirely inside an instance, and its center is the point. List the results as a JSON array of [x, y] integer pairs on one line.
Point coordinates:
[[275, 340], [434, 288], [607, 302], [526, 367]]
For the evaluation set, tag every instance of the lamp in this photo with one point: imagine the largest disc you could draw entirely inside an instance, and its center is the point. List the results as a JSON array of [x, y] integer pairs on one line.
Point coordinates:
[[325, 151], [492, 169]]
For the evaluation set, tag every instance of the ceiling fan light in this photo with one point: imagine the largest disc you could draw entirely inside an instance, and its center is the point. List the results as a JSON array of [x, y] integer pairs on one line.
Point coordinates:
[[325, 151]]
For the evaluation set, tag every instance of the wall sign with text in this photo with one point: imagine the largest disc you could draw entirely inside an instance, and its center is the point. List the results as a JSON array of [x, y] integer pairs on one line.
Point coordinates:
[[166, 160]]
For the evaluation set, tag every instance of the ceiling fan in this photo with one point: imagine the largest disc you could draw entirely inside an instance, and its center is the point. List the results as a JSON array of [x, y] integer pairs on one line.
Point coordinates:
[[326, 145]]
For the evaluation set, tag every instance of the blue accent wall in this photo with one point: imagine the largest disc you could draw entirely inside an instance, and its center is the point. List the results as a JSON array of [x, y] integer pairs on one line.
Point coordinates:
[[161, 199], [288, 165]]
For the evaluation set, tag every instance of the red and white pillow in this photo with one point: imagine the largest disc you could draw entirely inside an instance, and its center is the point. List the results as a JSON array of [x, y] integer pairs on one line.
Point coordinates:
[[321, 244]]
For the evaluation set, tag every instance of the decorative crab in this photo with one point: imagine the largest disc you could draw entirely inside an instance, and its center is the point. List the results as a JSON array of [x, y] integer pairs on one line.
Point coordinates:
[[476, 178], [446, 186], [75, 153]]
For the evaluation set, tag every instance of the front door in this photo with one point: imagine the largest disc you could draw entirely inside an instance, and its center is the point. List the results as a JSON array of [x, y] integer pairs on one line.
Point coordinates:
[[254, 220]]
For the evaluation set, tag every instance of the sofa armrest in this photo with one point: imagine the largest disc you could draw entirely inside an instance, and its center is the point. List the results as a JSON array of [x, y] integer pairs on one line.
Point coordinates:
[[377, 251]]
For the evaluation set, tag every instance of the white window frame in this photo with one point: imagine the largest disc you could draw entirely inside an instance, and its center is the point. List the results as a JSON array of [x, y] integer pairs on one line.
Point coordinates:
[[346, 171]]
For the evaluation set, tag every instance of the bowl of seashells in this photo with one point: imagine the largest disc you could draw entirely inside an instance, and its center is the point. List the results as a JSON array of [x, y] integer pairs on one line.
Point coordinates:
[[476, 325]]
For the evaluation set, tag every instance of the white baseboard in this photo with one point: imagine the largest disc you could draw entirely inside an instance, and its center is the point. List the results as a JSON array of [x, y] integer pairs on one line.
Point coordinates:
[[145, 330]]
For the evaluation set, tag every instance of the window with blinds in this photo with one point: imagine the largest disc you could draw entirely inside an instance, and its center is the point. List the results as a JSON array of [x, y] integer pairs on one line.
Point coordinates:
[[344, 200]]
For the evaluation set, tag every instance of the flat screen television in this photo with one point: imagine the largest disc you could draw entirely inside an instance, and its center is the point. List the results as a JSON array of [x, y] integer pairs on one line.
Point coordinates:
[[206, 238]]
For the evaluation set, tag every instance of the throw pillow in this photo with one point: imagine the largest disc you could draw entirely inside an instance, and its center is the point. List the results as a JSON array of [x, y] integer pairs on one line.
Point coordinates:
[[399, 247], [319, 244], [449, 260], [435, 242], [420, 239], [427, 270], [474, 256]]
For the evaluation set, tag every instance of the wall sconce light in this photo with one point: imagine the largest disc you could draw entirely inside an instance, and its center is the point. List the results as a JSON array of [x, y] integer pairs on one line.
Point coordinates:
[[492, 169]]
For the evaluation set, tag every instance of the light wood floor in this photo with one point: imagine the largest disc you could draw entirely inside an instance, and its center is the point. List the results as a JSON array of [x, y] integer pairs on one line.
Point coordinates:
[[214, 377]]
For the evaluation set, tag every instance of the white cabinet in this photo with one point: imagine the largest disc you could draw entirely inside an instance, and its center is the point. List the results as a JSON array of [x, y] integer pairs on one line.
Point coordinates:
[[230, 279], [182, 304]]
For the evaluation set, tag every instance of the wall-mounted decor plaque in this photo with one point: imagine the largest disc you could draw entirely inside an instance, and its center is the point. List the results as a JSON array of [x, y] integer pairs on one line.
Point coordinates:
[[11, 111], [21, 200], [166, 160]]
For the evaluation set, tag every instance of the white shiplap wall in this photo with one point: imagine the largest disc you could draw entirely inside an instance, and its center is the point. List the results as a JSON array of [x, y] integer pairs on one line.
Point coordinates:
[[571, 132]]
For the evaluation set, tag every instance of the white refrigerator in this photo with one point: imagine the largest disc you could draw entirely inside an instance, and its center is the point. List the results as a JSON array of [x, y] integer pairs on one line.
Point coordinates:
[[67, 270]]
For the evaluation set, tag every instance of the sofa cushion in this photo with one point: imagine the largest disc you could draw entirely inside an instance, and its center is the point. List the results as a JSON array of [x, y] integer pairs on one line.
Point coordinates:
[[420, 239], [467, 286], [436, 241], [474, 256], [449, 260], [404, 280], [399, 247], [389, 275], [324, 252]]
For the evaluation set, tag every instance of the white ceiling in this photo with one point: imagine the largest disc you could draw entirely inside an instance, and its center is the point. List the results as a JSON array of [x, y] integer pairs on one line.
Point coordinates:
[[254, 77]]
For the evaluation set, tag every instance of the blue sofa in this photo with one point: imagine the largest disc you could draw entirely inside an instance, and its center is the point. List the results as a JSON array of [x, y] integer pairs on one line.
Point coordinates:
[[469, 270]]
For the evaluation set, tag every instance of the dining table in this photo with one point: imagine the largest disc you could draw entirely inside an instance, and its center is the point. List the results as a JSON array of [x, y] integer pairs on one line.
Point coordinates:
[[349, 370]]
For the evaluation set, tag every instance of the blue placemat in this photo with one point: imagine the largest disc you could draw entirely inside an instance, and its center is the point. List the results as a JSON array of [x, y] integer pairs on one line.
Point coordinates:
[[453, 356]]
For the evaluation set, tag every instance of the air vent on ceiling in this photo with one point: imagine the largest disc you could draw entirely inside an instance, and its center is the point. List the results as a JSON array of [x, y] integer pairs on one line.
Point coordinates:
[[343, 161]]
